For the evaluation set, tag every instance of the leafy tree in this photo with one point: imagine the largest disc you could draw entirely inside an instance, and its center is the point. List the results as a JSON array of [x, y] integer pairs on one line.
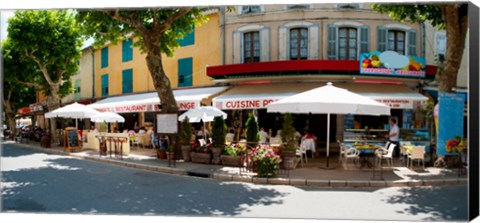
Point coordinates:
[[154, 30], [219, 129], [15, 95], [453, 17], [50, 41]]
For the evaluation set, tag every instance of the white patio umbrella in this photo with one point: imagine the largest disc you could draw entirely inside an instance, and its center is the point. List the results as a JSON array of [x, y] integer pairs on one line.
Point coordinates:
[[204, 113], [107, 117], [74, 110], [329, 100]]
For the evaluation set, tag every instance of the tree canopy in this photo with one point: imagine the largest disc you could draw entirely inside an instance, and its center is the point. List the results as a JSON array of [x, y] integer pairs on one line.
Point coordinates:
[[154, 30], [452, 17], [51, 41]]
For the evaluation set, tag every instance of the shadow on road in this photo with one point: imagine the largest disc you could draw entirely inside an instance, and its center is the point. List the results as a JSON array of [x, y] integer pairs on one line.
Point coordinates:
[[434, 200], [81, 186]]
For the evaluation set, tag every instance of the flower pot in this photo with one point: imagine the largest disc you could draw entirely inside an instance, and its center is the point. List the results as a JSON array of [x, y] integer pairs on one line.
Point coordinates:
[[217, 151], [201, 157], [161, 154], [186, 149], [231, 160]]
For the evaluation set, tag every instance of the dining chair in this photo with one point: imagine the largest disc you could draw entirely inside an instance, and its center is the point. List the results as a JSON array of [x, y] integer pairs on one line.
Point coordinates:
[[387, 155], [418, 153], [302, 152], [353, 154], [403, 150]]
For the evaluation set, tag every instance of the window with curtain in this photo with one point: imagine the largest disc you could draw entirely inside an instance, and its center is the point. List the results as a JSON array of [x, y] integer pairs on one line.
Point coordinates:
[[396, 41], [298, 44], [251, 47], [347, 43], [251, 9]]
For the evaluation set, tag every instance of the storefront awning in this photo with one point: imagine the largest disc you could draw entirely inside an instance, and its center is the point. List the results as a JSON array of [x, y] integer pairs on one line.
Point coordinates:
[[148, 102], [395, 96], [258, 96]]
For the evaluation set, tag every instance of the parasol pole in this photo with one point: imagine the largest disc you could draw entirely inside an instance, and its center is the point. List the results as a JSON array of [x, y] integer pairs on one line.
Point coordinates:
[[328, 141]]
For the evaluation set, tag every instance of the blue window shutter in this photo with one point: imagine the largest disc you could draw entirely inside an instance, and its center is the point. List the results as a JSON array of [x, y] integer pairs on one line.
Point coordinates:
[[127, 50], [104, 57], [332, 42], [104, 85], [382, 38], [185, 72], [127, 81], [364, 39], [412, 42], [189, 38]]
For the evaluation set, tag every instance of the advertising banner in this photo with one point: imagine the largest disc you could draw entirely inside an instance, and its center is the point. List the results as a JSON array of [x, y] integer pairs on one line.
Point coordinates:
[[450, 124], [391, 63]]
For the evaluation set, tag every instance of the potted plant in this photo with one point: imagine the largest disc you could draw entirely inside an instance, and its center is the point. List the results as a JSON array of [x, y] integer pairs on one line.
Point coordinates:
[[185, 138], [267, 163], [252, 130], [288, 147], [219, 129], [233, 154], [161, 150], [201, 154]]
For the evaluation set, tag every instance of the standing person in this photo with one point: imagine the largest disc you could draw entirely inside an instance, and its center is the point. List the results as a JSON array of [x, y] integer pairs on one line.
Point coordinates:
[[393, 136], [263, 135]]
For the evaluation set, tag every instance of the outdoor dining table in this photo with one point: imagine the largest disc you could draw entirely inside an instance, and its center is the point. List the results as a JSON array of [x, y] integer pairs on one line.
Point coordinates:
[[364, 161]]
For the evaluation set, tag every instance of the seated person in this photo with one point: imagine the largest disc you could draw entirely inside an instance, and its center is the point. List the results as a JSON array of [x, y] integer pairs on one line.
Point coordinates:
[[230, 136]]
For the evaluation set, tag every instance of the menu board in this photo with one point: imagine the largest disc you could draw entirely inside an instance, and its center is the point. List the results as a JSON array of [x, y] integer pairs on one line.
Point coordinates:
[[167, 123], [71, 139], [349, 121]]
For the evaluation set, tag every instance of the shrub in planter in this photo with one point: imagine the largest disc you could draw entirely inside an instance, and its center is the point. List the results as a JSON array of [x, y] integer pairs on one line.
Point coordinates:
[[233, 154], [219, 129], [252, 130], [266, 162], [185, 137]]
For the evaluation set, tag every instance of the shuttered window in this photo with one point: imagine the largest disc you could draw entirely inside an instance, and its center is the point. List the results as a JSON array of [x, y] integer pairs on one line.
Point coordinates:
[[332, 42], [188, 39], [251, 9], [127, 81], [185, 72], [76, 85], [104, 57], [347, 43], [412, 42], [104, 85], [396, 41], [127, 50]]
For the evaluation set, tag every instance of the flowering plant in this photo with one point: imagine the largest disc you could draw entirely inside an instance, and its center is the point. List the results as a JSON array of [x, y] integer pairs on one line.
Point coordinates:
[[235, 149], [267, 162], [201, 149]]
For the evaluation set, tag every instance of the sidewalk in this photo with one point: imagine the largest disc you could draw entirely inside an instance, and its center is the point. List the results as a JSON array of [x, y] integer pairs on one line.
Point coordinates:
[[311, 174]]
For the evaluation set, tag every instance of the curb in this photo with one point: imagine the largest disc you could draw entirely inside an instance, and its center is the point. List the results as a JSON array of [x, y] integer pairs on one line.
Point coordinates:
[[270, 181]]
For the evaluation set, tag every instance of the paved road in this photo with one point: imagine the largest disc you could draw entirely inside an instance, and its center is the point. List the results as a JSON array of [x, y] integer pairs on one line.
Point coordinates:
[[42, 183]]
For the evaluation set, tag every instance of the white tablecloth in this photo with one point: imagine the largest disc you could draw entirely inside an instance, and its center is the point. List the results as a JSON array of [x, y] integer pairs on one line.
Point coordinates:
[[309, 144]]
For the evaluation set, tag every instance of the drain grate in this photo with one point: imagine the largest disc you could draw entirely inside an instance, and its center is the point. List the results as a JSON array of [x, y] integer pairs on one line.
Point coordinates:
[[197, 174]]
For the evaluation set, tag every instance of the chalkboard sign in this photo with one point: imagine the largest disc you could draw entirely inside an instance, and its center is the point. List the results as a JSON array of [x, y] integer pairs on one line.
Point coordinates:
[[71, 139]]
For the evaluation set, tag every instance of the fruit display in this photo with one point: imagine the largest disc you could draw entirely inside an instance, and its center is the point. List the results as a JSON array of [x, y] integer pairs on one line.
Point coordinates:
[[371, 61], [454, 145]]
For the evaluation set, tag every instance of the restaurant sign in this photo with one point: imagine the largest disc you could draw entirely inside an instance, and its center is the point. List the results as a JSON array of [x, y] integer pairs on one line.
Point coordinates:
[[183, 105], [391, 63], [396, 103], [244, 104]]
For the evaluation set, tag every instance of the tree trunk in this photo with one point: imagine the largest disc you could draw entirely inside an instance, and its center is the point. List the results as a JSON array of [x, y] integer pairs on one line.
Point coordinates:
[[10, 114], [53, 102], [456, 24], [160, 79]]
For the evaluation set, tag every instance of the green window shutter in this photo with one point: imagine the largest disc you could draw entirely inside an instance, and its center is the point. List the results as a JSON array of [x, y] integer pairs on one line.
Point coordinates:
[[412, 42], [127, 81], [188, 39], [364, 39], [104, 57], [127, 50], [332, 42], [185, 72], [104, 85], [76, 95], [382, 38]]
